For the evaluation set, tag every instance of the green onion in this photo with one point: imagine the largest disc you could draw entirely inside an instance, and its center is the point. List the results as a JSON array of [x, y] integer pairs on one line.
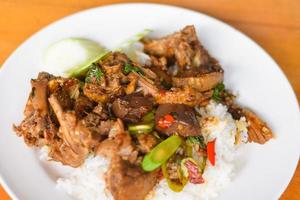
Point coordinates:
[[161, 153], [129, 68], [197, 140], [141, 128]]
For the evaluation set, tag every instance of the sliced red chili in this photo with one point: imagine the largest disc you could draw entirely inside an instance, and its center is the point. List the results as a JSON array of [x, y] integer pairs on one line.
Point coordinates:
[[166, 121], [211, 154]]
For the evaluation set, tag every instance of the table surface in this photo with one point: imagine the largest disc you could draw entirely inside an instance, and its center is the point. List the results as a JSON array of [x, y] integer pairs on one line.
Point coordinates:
[[274, 24]]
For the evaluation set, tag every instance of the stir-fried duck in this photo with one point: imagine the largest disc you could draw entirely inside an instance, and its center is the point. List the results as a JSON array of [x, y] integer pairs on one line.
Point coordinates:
[[140, 117], [196, 68]]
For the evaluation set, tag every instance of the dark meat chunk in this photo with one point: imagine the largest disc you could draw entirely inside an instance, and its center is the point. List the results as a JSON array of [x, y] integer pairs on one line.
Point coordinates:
[[185, 121], [128, 182], [83, 106], [131, 108], [102, 111], [146, 142]]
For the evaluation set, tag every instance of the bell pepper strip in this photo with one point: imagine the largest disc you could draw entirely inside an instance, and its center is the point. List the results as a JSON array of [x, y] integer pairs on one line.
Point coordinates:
[[174, 186], [211, 154], [192, 171], [161, 153], [141, 128], [166, 121]]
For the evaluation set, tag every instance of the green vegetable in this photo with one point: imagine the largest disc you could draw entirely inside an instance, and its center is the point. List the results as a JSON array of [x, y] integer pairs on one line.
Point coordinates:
[[197, 140], [81, 70], [146, 126], [141, 128], [129, 68], [218, 92], [161, 153], [149, 117], [94, 74], [133, 40]]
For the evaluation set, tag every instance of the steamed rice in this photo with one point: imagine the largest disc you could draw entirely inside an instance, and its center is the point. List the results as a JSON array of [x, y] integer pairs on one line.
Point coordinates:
[[87, 182]]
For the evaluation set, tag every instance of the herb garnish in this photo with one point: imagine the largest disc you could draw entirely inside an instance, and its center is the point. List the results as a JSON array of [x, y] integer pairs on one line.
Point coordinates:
[[197, 140], [129, 68], [94, 74], [219, 92]]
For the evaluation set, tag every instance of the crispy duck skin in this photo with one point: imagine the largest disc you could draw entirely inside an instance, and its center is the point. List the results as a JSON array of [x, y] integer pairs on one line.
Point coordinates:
[[258, 130]]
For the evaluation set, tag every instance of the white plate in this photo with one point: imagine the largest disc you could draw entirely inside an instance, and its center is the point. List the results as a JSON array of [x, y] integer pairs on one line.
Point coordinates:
[[249, 70]]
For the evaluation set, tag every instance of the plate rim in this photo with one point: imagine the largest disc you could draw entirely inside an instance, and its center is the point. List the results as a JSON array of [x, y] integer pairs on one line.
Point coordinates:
[[283, 187]]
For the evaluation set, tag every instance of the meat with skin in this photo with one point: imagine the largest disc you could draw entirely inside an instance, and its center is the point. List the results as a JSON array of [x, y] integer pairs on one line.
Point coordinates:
[[131, 108], [200, 82], [258, 131], [95, 93], [128, 182], [187, 96], [37, 128], [185, 121], [183, 46]]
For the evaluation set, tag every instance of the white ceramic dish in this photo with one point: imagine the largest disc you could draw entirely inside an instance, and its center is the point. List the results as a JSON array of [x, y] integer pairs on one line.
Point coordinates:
[[266, 170]]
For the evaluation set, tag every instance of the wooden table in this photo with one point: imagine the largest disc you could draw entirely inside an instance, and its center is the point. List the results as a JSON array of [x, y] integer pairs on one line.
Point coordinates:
[[274, 24]]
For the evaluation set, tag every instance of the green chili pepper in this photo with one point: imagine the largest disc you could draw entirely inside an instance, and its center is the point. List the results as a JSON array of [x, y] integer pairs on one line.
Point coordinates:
[[141, 128], [161, 153], [146, 126]]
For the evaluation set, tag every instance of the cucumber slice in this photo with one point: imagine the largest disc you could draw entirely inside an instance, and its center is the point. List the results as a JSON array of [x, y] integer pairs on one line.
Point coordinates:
[[71, 53]]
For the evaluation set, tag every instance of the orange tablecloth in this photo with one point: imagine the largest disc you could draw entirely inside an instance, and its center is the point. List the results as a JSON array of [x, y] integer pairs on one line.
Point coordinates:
[[275, 25]]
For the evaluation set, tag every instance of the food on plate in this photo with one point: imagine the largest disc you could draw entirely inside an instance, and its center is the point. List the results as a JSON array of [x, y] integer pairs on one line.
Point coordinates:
[[165, 127]]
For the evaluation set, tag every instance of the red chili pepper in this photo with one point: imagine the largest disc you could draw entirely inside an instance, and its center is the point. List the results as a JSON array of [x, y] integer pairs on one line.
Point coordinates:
[[166, 121], [211, 152]]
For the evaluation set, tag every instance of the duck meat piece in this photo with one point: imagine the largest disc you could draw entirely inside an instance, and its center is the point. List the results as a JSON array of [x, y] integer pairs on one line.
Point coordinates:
[[131, 108], [70, 136], [37, 127], [121, 145], [200, 82], [182, 46], [95, 93], [61, 152], [187, 96], [128, 182], [258, 130], [83, 106], [184, 121], [146, 142]]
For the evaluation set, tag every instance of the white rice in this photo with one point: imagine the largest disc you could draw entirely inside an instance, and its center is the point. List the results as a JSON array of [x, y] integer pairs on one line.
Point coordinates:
[[86, 182]]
